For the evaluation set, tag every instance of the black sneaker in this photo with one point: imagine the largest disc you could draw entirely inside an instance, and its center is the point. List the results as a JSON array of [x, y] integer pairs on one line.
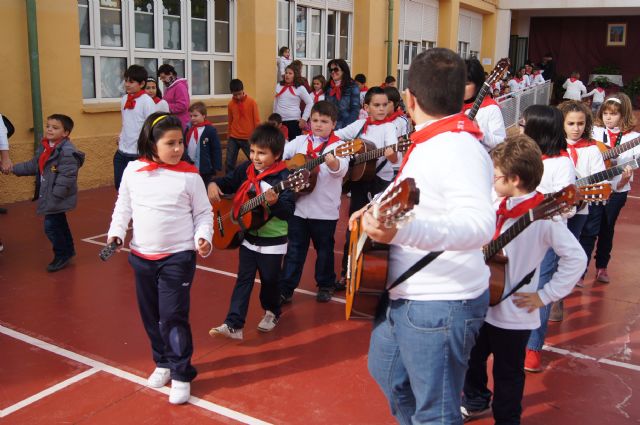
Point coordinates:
[[324, 295], [285, 299], [340, 285], [468, 415], [59, 264]]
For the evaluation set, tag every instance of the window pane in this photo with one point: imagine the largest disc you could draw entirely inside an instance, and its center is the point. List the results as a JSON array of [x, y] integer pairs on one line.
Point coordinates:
[[199, 9], [144, 24], [178, 64], [407, 59], [221, 77], [88, 82], [405, 78], [112, 76], [344, 24], [222, 10], [301, 19], [199, 35], [151, 65], [200, 82], [301, 44], [283, 15], [399, 51], [283, 38], [414, 50], [315, 20], [83, 23], [331, 47], [314, 70], [111, 23], [83, 2], [314, 46], [344, 48], [171, 25], [331, 22], [222, 37]]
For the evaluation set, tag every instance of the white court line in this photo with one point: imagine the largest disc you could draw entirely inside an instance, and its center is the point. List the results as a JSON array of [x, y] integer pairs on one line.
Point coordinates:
[[44, 393], [633, 197], [602, 360], [99, 366]]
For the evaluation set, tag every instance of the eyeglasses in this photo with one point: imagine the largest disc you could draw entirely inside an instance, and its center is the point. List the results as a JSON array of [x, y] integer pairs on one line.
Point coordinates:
[[334, 69], [521, 122]]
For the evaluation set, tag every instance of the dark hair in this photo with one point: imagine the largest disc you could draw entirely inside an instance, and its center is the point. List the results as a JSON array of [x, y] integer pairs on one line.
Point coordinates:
[[360, 78], [65, 120], [545, 125], [136, 73], [389, 79], [275, 118], [200, 107], [151, 133], [165, 68], [282, 50], [268, 136], [437, 79], [519, 156], [297, 78], [344, 67], [372, 92], [326, 108], [298, 64], [236, 85], [475, 74], [320, 78], [393, 95], [576, 106], [158, 91]]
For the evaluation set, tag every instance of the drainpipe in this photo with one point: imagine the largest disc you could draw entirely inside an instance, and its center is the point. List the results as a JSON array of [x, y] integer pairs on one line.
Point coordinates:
[[390, 39], [34, 67]]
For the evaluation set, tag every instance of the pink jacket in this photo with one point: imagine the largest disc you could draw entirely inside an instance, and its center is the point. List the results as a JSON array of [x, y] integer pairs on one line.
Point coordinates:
[[177, 96]]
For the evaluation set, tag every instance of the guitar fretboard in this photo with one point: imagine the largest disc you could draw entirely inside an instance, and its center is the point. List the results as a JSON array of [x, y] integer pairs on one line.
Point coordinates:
[[607, 174], [493, 247], [258, 200], [476, 105], [374, 154], [614, 152]]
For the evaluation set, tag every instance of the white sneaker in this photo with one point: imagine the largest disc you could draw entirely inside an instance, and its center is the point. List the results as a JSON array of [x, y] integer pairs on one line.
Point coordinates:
[[225, 330], [180, 392], [159, 377], [268, 322]]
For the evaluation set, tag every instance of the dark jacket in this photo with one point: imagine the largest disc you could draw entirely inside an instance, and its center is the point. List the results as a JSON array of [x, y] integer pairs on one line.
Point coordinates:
[[59, 180], [275, 230], [210, 150], [348, 105]]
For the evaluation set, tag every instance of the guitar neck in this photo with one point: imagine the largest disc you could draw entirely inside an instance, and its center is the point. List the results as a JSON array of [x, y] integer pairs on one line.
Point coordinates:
[[258, 200], [607, 174], [493, 247], [373, 154], [476, 105], [614, 152]]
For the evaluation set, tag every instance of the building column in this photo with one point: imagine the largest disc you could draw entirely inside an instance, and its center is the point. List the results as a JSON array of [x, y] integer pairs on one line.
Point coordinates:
[[448, 14], [499, 40]]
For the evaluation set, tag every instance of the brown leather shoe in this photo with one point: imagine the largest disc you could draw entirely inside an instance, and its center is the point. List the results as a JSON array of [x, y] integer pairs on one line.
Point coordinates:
[[557, 311]]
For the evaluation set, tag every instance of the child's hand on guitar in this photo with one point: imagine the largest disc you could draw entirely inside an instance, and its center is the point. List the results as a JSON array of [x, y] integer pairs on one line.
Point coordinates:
[[529, 300], [377, 230], [271, 197], [391, 155], [214, 192], [356, 215], [204, 248], [625, 177], [332, 162]]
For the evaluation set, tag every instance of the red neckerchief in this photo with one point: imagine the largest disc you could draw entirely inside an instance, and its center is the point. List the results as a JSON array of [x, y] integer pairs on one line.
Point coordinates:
[[285, 88], [573, 149], [518, 80], [131, 99], [313, 152], [614, 138], [240, 104], [370, 121], [573, 80], [253, 179], [502, 214], [181, 167], [364, 89], [536, 73], [316, 96], [46, 153], [487, 101], [383, 85], [194, 129], [336, 90], [156, 99], [455, 123], [562, 153], [599, 89], [397, 114]]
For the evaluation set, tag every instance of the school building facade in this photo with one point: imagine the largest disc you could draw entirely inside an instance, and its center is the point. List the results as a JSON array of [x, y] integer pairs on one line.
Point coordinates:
[[79, 50]]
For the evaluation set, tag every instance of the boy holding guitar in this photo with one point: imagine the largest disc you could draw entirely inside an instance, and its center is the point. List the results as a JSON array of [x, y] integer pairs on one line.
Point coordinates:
[[262, 249], [518, 170]]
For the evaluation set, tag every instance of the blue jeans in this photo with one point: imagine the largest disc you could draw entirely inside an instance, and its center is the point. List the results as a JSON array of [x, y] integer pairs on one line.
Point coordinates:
[[57, 230], [233, 147], [548, 267], [418, 355]]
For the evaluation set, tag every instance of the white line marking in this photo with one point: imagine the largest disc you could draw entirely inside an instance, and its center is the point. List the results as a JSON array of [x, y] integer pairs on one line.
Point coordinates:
[[633, 197], [44, 393], [602, 360], [99, 366]]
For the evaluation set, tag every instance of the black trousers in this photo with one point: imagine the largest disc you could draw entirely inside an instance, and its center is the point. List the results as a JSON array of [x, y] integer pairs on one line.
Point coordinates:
[[294, 128], [56, 227], [163, 290], [269, 266], [120, 162], [508, 349], [616, 202], [591, 230]]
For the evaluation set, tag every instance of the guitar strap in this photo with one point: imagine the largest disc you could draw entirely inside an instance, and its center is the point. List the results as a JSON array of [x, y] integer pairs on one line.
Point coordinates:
[[525, 280], [419, 265]]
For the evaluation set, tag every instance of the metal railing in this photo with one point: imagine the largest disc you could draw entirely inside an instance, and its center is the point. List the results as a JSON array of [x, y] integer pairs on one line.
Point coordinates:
[[513, 104]]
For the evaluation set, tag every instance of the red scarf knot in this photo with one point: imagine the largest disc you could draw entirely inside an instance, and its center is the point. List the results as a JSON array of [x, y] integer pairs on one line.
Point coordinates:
[[253, 180], [156, 99], [502, 214], [336, 90], [573, 80], [131, 99], [314, 152], [316, 96], [487, 101], [46, 153], [194, 130], [181, 167], [599, 89], [285, 88], [615, 138], [573, 149]]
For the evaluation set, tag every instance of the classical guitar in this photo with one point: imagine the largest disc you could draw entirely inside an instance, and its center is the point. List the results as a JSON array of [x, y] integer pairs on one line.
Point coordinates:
[[609, 153], [302, 161], [363, 166], [607, 174], [497, 73], [229, 230], [368, 261]]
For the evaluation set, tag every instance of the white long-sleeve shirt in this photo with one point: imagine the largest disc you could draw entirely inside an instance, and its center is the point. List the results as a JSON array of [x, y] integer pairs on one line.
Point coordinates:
[[132, 121], [4, 140], [170, 210], [454, 174], [282, 63], [538, 79], [324, 202], [515, 85], [380, 135], [288, 104], [599, 133], [598, 95], [589, 162], [574, 90], [491, 122], [559, 172], [525, 254]]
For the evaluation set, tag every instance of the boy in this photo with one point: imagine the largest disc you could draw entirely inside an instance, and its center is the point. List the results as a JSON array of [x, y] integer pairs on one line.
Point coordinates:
[[243, 119], [136, 106], [380, 131], [389, 80], [518, 171], [420, 346], [361, 81], [55, 166], [316, 213], [276, 120], [202, 143], [262, 249]]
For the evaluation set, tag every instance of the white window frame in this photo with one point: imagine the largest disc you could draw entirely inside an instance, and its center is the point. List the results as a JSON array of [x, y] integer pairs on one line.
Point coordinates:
[[185, 54]]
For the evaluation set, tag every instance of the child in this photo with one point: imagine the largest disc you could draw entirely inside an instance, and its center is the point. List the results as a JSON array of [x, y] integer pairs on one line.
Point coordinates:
[[283, 61], [489, 116], [614, 126], [518, 170], [396, 115], [361, 81], [55, 166], [288, 94], [243, 117], [537, 77], [380, 131], [172, 219], [276, 120], [153, 90], [202, 143], [574, 89], [176, 92], [545, 125], [598, 97], [389, 80], [318, 84], [136, 106], [316, 213], [516, 83], [262, 249]]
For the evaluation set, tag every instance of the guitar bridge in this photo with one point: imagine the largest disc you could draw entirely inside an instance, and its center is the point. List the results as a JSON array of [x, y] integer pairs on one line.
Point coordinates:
[[220, 226]]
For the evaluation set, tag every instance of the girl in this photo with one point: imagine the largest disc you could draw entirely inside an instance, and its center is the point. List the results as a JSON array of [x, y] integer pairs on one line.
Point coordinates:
[[545, 125], [614, 125], [167, 201], [516, 83], [598, 97], [343, 92], [318, 83], [153, 90], [574, 88], [283, 61], [288, 94]]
